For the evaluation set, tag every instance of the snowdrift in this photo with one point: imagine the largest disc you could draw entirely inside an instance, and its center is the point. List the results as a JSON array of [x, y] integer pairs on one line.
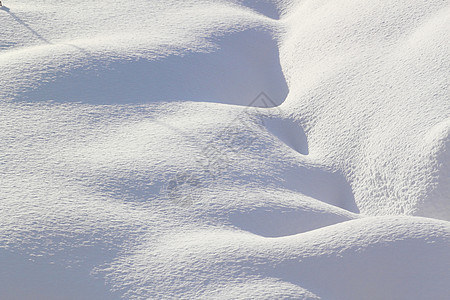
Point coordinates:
[[265, 149]]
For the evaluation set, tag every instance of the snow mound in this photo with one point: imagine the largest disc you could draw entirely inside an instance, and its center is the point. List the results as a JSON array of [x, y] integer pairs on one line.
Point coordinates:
[[224, 149], [143, 62]]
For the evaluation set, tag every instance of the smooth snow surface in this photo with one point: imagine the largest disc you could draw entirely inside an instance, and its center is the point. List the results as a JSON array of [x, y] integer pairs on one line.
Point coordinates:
[[220, 149]]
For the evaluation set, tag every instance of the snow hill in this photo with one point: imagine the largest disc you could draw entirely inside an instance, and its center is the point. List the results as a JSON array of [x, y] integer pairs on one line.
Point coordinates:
[[225, 149]]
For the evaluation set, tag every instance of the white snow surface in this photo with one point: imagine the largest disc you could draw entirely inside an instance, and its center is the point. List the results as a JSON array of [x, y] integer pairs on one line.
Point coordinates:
[[220, 149]]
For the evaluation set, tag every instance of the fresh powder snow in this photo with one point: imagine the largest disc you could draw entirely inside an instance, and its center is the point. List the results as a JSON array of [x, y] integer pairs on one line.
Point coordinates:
[[225, 149]]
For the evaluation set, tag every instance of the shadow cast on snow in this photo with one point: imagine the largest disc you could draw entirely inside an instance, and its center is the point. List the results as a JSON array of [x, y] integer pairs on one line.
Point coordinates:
[[243, 65], [23, 23]]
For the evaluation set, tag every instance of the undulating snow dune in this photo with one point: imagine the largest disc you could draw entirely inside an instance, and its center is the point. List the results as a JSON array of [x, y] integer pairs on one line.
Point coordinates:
[[219, 149]]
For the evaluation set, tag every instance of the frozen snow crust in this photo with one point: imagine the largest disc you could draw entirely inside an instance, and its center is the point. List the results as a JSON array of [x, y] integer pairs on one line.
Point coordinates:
[[224, 149]]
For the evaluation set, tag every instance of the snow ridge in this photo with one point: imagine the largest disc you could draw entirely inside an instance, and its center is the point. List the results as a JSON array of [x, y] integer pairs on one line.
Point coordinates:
[[215, 149]]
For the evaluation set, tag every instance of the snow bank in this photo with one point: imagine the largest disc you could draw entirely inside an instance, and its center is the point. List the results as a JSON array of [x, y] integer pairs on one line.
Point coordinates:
[[224, 150]]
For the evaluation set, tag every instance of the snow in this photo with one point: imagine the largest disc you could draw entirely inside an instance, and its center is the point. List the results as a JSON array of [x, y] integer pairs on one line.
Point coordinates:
[[219, 149]]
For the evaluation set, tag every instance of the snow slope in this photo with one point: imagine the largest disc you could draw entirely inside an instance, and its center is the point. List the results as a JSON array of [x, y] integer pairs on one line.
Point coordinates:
[[214, 149]]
